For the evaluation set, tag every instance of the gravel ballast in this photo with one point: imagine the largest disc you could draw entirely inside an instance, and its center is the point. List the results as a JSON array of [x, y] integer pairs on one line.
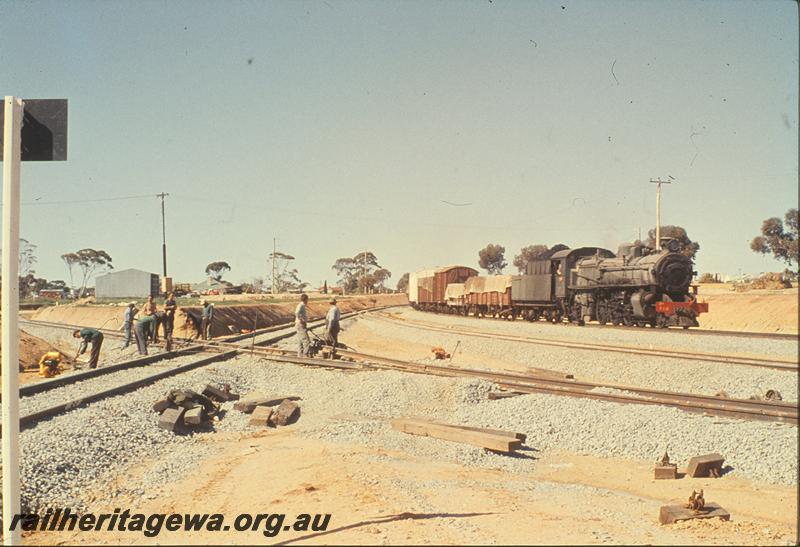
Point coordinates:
[[645, 337], [69, 459], [661, 373], [82, 452]]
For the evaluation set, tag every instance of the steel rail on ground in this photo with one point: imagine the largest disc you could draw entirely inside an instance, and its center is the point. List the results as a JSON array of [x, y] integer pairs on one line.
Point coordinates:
[[772, 363]]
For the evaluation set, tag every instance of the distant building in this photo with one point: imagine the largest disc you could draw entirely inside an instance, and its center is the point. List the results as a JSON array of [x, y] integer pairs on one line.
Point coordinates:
[[212, 286], [128, 283]]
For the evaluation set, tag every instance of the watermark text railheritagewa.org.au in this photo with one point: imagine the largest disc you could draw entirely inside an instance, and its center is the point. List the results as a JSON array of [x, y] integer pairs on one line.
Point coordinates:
[[269, 524]]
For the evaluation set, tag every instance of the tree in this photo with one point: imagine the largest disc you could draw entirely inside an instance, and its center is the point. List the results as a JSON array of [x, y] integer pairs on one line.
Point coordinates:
[[286, 279], [92, 262], [555, 248], [290, 281], [360, 272], [31, 284], [216, 270], [27, 257], [492, 259], [378, 278], [779, 238], [529, 254], [535, 252], [56, 284], [71, 260], [402, 283], [688, 247]]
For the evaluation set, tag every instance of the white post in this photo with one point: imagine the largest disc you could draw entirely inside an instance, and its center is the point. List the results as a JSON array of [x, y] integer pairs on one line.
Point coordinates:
[[10, 307]]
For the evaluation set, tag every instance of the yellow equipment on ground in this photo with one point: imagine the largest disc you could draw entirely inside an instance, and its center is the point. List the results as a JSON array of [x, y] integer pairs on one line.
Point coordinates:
[[50, 364]]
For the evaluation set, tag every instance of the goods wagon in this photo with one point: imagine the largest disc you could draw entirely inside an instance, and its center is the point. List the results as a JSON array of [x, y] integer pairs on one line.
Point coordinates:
[[488, 295], [431, 286]]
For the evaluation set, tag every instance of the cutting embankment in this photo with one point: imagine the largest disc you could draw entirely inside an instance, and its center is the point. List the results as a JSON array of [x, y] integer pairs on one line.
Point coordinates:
[[751, 311], [235, 318]]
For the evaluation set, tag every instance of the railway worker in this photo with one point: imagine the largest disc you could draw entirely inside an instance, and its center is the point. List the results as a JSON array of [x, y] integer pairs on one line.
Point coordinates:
[[206, 318], [50, 364], [150, 309], [159, 321], [332, 326], [301, 324], [96, 338], [127, 323], [169, 318], [143, 328]]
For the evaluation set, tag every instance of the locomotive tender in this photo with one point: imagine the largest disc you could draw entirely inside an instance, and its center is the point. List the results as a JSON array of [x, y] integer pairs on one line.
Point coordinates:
[[637, 286]]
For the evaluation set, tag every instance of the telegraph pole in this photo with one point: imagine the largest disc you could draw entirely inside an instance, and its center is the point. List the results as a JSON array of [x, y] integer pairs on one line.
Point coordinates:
[[162, 195], [659, 182]]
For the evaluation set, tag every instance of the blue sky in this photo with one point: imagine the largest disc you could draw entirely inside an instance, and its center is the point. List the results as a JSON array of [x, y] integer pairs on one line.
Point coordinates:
[[337, 126]]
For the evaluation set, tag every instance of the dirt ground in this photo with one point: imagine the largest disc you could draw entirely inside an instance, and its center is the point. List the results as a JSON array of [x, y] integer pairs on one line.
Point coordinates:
[[31, 350], [379, 497], [238, 317], [753, 311], [385, 497]]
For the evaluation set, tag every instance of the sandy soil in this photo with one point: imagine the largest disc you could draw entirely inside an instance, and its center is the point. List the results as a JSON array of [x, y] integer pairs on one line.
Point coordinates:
[[31, 349], [378, 497], [383, 497], [237, 316], [753, 311], [386, 497]]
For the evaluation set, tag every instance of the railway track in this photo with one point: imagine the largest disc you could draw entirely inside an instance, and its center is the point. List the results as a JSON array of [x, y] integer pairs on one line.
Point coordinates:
[[207, 354], [516, 383], [772, 363], [687, 332], [258, 343]]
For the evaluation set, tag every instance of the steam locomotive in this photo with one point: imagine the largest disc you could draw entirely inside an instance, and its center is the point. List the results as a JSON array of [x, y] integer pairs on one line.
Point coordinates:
[[638, 286]]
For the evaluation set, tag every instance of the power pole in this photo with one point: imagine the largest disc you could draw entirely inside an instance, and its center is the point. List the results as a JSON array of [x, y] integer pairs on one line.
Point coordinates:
[[162, 195], [659, 182]]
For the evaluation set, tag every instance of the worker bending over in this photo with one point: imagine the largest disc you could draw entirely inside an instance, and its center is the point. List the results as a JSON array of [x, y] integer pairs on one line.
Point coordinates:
[[301, 324], [50, 364], [96, 338], [332, 326], [143, 326]]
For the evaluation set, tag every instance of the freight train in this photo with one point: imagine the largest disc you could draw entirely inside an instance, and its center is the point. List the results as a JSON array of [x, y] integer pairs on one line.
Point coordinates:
[[638, 286]]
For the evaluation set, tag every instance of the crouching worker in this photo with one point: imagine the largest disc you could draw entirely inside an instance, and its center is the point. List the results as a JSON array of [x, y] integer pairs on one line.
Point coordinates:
[[50, 364], [96, 338]]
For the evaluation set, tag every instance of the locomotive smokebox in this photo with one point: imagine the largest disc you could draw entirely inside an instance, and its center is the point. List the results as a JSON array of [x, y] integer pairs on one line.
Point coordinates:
[[673, 272]]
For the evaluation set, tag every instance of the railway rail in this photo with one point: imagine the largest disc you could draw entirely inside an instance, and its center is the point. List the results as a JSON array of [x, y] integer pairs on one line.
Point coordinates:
[[259, 343], [207, 354], [772, 363], [515, 383], [659, 331]]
